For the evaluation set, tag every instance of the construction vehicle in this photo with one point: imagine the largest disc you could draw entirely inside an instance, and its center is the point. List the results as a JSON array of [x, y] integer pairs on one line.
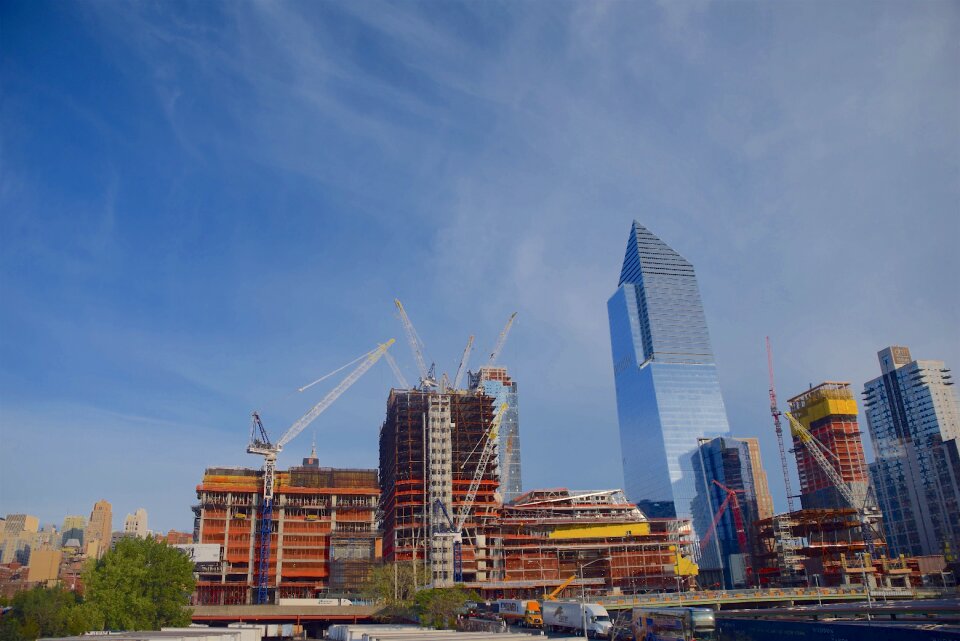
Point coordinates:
[[261, 445], [523, 612], [560, 588], [573, 617], [856, 499]]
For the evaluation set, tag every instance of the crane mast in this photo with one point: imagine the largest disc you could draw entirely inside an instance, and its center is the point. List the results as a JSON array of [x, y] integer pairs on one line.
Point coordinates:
[[260, 444], [414, 341], [775, 412]]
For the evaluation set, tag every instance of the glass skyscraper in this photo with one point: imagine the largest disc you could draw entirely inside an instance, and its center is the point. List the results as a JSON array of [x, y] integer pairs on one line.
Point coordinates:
[[668, 392]]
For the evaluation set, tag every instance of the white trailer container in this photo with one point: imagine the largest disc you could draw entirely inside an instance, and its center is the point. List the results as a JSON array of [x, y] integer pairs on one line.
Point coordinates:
[[570, 616]]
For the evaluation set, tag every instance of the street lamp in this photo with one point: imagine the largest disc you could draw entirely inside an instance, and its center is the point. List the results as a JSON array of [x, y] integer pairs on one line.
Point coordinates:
[[583, 596]]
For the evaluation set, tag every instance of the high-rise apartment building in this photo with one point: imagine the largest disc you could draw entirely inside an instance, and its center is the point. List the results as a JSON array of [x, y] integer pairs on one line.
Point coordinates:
[[735, 464], [829, 412], [498, 384], [136, 524], [668, 391], [430, 448], [914, 421], [99, 529]]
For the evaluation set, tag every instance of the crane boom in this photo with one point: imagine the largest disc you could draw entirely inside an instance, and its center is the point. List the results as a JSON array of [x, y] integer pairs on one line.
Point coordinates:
[[334, 394], [412, 338], [856, 500], [260, 444], [463, 363], [485, 456], [775, 412], [401, 379], [553, 595], [501, 340]]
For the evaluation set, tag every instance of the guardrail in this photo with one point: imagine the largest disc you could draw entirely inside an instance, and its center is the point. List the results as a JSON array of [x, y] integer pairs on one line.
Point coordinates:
[[743, 596]]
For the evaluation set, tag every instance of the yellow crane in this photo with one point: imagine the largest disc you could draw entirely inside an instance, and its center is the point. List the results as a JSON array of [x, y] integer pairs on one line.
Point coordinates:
[[553, 595]]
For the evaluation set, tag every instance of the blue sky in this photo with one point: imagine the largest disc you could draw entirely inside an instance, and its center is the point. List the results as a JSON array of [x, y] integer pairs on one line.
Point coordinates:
[[204, 206]]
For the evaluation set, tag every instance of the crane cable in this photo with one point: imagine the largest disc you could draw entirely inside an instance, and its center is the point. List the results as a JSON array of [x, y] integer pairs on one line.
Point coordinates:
[[340, 369]]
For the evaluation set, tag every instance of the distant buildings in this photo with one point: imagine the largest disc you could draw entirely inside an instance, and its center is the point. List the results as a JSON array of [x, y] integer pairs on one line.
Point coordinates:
[[99, 529], [19, 538], [498, 384], [914, 421], [668, 392], [73, 528], [136, 524]]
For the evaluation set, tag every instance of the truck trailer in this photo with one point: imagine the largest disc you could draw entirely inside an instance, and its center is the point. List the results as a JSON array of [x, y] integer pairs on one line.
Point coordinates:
[[571, 616], [525, 613]]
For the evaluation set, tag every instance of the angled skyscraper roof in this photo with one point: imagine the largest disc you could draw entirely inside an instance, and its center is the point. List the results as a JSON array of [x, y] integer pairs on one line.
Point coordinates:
[[648, 254], [669, 315]]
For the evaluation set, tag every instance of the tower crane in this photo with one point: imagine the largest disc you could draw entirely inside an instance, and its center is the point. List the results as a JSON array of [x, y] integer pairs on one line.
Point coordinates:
[[501, 340], [261, 445], [857, 500], [463, 363], [775, 412], [427, 377]]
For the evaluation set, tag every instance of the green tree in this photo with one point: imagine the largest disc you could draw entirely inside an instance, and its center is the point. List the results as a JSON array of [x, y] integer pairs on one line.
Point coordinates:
[[43, 612], [392, 583], [439, 607], [140, 584]]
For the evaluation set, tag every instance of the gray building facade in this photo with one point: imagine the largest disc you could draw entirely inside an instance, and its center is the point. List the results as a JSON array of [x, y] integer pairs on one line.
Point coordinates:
[[914, 421], [668, 392]]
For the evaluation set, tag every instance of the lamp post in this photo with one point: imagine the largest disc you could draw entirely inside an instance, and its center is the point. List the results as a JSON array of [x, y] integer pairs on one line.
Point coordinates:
[[816, 579], [583, 596]]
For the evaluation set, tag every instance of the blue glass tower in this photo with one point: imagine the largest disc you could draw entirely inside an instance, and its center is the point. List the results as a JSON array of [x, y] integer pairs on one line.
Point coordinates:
[[668, 392]]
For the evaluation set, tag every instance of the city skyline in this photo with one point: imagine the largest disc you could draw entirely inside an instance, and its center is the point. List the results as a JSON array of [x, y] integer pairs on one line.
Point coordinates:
[[204, 214]]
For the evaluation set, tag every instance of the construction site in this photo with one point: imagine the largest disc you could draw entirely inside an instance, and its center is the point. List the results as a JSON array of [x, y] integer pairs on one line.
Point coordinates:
[[447, 498], [323, 538]]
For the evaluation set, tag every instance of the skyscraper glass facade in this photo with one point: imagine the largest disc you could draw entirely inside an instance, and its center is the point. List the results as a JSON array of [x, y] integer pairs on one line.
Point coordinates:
[[498, 384], [727, 461], [668, 392], [914, 420]]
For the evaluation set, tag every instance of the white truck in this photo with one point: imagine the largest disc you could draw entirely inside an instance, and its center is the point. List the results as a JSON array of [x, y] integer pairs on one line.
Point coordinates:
[[571, 616]]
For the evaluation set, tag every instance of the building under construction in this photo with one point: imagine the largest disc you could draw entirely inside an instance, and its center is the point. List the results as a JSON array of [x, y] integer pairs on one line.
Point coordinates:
[[829, 412], [825, 547], [595, 539], [431, 448], [324, 538]]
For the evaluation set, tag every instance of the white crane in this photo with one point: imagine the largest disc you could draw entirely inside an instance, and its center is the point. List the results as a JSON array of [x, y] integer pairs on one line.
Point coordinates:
[[501, 340], [426, 376], [857, 499], [260, 444], [463, 363], [485, 455], [401, 379]]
